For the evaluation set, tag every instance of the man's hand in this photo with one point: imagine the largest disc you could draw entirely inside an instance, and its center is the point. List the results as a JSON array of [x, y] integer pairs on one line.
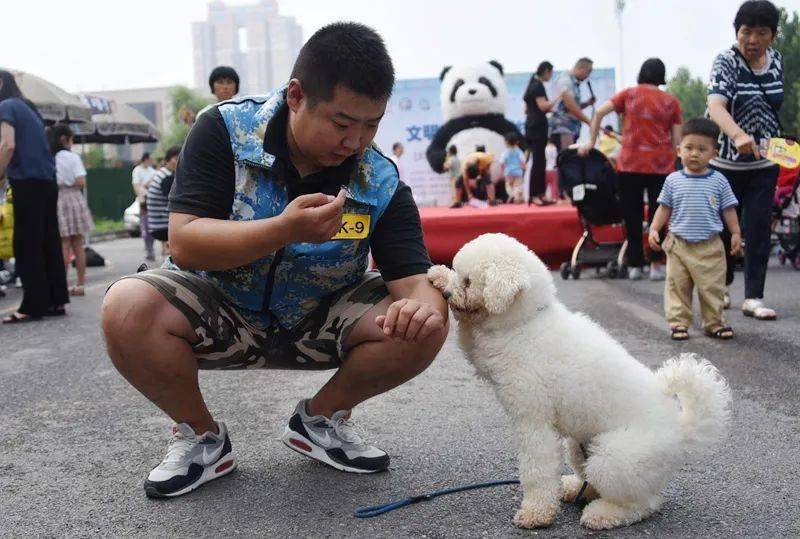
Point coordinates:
[[314, 218], [654, 240], [410, 320], [736, 244]]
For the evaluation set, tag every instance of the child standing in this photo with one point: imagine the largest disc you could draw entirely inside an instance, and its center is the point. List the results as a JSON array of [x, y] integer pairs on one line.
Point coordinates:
[[453, 166], [691, 201], [513, 163]]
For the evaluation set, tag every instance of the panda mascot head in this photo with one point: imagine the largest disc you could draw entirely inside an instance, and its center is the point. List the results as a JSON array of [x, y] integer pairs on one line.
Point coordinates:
[[473, 100], [473, 90]]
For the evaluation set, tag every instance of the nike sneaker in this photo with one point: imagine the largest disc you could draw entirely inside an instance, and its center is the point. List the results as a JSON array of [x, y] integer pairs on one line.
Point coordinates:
[[333, 441], [191, 461]]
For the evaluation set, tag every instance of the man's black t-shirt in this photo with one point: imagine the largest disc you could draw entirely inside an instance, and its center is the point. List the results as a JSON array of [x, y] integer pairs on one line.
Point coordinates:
[[205, 184], [536, 120]]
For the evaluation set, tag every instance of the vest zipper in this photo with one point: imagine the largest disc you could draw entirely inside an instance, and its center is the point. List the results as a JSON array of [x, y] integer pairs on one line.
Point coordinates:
[[271, 279]]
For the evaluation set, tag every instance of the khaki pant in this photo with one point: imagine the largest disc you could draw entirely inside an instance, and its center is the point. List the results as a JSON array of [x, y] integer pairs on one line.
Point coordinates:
[[700, 264]]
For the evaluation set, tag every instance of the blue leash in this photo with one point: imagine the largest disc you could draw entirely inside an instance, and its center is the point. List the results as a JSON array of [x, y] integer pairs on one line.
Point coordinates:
[[375, 510]]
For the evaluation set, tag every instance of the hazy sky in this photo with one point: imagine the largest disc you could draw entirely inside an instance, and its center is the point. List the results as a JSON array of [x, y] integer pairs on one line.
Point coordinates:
[[108, 44]]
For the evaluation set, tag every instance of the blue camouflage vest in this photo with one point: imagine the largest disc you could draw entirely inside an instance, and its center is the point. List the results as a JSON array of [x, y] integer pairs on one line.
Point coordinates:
[[286, 286]]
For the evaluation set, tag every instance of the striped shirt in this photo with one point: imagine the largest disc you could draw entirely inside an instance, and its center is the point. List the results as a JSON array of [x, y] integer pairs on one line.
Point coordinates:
[[732, 82], [696, 203], [157, 200]]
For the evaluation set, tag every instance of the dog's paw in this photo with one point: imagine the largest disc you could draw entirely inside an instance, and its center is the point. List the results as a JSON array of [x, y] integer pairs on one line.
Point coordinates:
[[570, 486], [530, 516], [438, 276], [604, 515]]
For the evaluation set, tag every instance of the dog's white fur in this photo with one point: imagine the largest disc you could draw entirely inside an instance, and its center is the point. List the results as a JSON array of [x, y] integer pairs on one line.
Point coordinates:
[[562, 378]]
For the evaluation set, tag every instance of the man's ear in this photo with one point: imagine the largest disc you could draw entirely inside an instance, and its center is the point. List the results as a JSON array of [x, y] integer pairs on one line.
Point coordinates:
[[439, 276], [501, 286], [294, 95]]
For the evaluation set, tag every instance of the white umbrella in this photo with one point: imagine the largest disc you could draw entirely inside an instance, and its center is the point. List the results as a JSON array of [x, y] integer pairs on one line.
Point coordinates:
[[114, 123], [53, 103]]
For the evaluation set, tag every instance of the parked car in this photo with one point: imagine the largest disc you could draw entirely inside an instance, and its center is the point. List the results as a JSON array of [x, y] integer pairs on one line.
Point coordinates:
[[131, 219]]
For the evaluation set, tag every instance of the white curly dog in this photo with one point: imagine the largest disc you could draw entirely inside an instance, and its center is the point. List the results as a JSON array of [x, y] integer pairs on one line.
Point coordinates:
[[562, 379]]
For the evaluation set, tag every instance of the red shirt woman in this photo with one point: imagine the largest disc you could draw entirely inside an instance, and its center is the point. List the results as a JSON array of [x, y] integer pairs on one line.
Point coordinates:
[[650, 133]]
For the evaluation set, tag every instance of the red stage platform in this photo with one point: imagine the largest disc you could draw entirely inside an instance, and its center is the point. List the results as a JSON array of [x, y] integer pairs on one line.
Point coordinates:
[[549, 231]]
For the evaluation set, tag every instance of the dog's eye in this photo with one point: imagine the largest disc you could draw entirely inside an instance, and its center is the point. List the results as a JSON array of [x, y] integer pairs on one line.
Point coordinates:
[[466, 282]]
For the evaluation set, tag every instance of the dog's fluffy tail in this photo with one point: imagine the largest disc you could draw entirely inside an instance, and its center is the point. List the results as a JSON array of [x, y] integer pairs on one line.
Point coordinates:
[[704, 396]]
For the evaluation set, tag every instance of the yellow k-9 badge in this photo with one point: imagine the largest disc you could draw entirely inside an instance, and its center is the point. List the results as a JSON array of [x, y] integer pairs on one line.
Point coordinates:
[[355, 226]]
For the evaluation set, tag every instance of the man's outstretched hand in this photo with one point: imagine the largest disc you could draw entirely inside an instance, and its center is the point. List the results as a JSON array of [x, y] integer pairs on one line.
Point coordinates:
[[410, 320]]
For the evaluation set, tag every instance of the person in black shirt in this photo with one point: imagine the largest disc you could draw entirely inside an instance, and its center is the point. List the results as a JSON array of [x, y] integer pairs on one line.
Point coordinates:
[[275, 204], [536, 108]]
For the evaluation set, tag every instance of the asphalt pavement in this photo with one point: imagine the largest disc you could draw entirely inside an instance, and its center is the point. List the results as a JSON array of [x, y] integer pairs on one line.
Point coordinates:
[[76, 441]]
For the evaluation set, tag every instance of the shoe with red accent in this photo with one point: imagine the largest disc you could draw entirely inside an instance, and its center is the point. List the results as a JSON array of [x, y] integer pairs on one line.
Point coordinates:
[[333, 441], [190, 462]]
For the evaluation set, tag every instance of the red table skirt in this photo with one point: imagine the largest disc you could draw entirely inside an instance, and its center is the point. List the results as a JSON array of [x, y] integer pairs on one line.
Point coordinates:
[[549, 231]]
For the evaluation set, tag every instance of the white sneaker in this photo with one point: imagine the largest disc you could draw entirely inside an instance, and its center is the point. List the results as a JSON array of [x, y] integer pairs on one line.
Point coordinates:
[[756, 309], [635, 274], [191, 461], [657, 273]]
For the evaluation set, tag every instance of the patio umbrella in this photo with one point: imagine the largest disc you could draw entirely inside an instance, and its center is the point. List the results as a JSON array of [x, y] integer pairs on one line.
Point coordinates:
[[114, 123], [53, 103]]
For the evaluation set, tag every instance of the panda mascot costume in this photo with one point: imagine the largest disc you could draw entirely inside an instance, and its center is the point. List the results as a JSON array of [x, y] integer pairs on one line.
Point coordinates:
[[473, 102]]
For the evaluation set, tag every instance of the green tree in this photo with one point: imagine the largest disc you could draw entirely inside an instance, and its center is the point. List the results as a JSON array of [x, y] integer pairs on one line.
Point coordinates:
[[185, 103], [690, 91], [788, 43], [94, 157]]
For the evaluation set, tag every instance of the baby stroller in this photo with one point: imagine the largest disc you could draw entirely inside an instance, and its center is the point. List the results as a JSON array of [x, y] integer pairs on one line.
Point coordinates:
[[786, 223], [591, 184]]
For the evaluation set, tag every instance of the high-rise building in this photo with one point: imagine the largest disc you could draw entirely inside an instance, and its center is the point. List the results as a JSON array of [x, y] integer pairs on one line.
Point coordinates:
[[254, 39]]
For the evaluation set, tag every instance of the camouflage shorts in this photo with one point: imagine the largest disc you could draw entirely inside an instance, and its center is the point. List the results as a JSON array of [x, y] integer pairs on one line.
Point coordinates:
[[228, 340]]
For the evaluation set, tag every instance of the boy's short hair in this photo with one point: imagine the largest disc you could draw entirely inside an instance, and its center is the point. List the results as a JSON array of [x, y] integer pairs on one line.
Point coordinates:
[[452, 150], [702, 127], [223, 72], [473, 171], [511, 138], [757, 13], [396, 145], [348, 54], [172, 152]]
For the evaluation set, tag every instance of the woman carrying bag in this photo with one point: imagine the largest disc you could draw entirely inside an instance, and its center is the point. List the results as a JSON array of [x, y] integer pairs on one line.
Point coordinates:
[[744, 96]]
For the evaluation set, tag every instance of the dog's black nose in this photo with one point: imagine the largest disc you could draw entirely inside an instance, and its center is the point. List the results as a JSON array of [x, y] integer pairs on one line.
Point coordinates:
[[446, 295]]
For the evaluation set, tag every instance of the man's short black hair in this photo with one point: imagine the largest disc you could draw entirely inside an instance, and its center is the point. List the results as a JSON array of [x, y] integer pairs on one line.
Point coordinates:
[[653, 72], [397, 145], [757, 13], [345, 53], [702, 127], [172, 152], [480, 148], [452, 150], [145, 156], [584, 60], [223, 72], [543, 68]]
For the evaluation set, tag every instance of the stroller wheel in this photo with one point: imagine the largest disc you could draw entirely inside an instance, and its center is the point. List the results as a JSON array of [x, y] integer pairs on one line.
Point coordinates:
[[565, 270], [612, 269], [576, 272]]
